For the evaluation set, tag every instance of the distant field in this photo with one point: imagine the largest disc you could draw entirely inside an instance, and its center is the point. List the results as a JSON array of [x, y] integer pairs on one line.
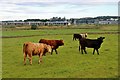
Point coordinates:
[[61, 31], [69, 63]]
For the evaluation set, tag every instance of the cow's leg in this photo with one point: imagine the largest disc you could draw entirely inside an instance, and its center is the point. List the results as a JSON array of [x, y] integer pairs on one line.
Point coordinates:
[[97, 51], [85, 50], [56, 51], [73, 38], [30, 59], [40, 58], [51, 51], [82, 51], [93, 51], [79, 48], [43, 54], [25, 55]]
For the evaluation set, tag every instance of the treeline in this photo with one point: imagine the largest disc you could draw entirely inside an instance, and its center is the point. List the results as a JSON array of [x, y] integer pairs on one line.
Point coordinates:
[[45, 20], [42, 20], [72, 19], [106, 17]]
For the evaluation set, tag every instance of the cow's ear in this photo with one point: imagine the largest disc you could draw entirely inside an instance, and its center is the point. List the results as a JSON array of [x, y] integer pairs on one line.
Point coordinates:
[[103, 37]]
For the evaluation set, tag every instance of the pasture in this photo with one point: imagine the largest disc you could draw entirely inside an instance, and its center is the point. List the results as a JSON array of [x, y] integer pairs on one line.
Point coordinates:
[[68, 63]]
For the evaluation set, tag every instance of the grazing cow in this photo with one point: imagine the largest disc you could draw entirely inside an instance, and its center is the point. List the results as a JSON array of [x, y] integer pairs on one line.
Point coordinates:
[[54, 43], [79, 36], [90, 43], [32, 49]]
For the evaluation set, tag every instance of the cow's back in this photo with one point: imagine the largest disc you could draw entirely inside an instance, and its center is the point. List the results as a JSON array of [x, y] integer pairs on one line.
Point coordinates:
[[91, 43], [78, 36], [54, 43], [48, 42]]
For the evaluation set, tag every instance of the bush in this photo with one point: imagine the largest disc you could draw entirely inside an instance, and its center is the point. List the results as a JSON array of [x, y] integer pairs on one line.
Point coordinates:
[[33, 27]]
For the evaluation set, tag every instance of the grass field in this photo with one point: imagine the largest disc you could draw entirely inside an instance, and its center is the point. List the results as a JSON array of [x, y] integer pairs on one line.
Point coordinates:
[[69, 63]]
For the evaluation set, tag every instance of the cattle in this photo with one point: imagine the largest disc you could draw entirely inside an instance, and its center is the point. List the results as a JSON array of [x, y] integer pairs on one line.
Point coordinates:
[[79, 36], [32, 49], [84, 35], [54, 43], [90, 43]]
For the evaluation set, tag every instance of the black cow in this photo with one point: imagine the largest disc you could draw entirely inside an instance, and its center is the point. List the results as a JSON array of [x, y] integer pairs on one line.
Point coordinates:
[[90, 43]]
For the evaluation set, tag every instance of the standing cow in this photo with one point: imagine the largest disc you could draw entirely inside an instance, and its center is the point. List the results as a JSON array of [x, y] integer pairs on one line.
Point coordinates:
[[79, 36], [32, 49], [54, 43], [90, 43]]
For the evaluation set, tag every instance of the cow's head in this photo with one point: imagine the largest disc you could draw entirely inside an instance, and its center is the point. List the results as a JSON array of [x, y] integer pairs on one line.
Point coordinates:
[[101, 39], [61, 42], [49, 48], [85, 34], [41, 40]]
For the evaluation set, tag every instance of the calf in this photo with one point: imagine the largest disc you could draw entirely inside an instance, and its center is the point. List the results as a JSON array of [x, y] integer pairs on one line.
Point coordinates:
[[32, 49], [90, 43], [79, 36], [54, 43]]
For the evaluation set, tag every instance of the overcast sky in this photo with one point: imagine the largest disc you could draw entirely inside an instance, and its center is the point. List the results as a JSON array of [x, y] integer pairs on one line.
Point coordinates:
[[45, 9]]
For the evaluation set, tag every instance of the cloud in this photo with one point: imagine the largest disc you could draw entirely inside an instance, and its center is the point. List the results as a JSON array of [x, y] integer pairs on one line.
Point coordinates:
[[50, 8]]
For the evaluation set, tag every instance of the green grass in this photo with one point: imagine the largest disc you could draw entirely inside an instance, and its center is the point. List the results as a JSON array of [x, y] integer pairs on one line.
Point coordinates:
[[69, 63], [52, 31]]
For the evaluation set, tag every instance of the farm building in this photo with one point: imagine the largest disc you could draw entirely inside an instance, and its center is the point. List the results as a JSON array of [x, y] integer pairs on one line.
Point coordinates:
[[35, 23], [95, 20], [63, 21], [108, 22]]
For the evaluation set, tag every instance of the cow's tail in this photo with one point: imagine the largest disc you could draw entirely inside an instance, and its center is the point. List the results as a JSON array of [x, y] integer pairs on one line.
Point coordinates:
[[24, 47], [24, 52]]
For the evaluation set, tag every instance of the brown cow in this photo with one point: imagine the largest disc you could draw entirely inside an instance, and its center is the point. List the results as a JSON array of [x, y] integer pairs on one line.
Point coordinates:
[[54, 43], [32, 49]]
